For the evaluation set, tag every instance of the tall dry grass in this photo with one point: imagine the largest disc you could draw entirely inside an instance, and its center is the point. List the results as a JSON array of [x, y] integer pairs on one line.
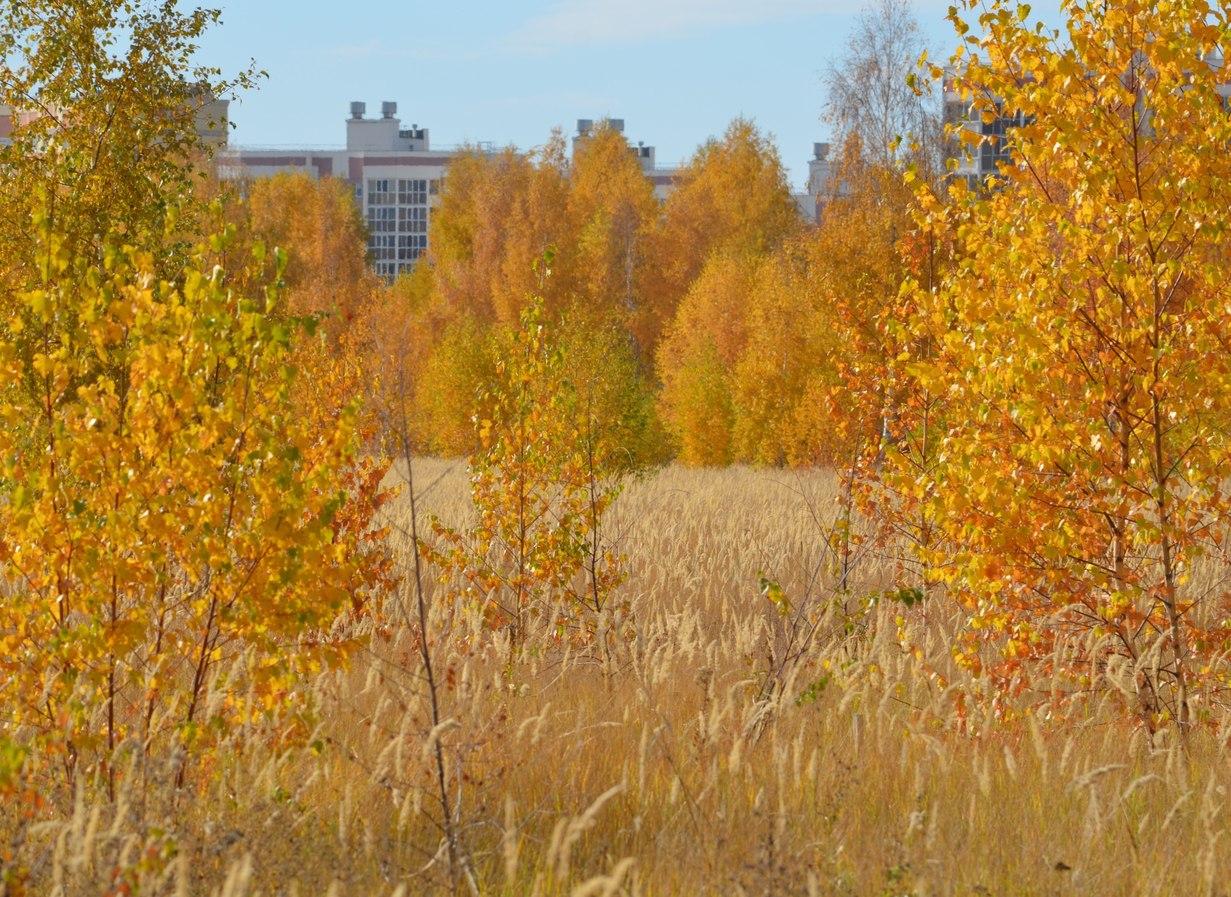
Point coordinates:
[[694, 757]]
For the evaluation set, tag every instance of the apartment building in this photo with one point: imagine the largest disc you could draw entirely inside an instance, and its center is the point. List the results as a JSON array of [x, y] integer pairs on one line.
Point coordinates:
[[396, 175]]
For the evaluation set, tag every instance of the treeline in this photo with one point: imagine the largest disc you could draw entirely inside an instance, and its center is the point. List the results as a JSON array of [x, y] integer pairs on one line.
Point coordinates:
[[1021, 383], [715, 327]]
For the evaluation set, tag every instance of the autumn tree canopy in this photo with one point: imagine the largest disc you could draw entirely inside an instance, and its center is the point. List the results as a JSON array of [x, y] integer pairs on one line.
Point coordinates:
[[732, 199], [611, 215], [318, 224], [497, 215]]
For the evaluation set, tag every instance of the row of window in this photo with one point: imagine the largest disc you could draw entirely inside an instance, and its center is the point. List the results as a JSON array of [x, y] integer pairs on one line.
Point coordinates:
[[387, 247], [397, 227], [402, 220], [400, 191], [398, 213], [416, 241]]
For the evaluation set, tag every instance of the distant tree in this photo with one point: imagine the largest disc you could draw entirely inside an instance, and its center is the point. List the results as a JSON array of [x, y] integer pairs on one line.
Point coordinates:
[[538, 227], [878, 115], [611, 213], [458, 368], [752, 365], [497, 215], [696, 356], [616, 392], [792, 346], [731, 199], [318, 224], [499, 218]]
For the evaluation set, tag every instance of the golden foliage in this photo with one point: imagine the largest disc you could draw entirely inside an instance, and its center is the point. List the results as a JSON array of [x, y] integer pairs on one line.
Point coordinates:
[[184, 536], [170, 513], [317, 224], [731, 199], [1081, 339]]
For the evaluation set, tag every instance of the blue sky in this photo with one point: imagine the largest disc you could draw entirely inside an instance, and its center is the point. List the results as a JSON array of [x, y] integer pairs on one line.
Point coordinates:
[[677, 71]]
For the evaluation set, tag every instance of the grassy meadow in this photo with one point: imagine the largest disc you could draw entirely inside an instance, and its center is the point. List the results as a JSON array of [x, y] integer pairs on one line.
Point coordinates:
[[698, 753]]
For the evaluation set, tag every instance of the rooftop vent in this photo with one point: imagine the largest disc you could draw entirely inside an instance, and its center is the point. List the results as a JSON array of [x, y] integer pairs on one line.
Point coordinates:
[[357, 109], [388, 109]]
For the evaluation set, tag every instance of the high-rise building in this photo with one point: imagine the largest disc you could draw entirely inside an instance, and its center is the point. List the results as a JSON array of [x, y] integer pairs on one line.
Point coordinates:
[[396, 176]]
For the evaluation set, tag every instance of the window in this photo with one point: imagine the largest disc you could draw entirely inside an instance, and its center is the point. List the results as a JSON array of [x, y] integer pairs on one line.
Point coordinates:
[[412, 192], [379, 192], [381, 247], [382, 219], [410, 247], [412, 219], [995, 150]]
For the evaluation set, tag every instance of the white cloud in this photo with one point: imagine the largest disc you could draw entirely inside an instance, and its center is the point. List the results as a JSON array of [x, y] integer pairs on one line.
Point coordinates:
[[581, 22]]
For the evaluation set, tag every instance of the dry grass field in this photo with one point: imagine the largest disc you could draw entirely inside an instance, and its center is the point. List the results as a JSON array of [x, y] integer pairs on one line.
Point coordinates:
[[691, 756]]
